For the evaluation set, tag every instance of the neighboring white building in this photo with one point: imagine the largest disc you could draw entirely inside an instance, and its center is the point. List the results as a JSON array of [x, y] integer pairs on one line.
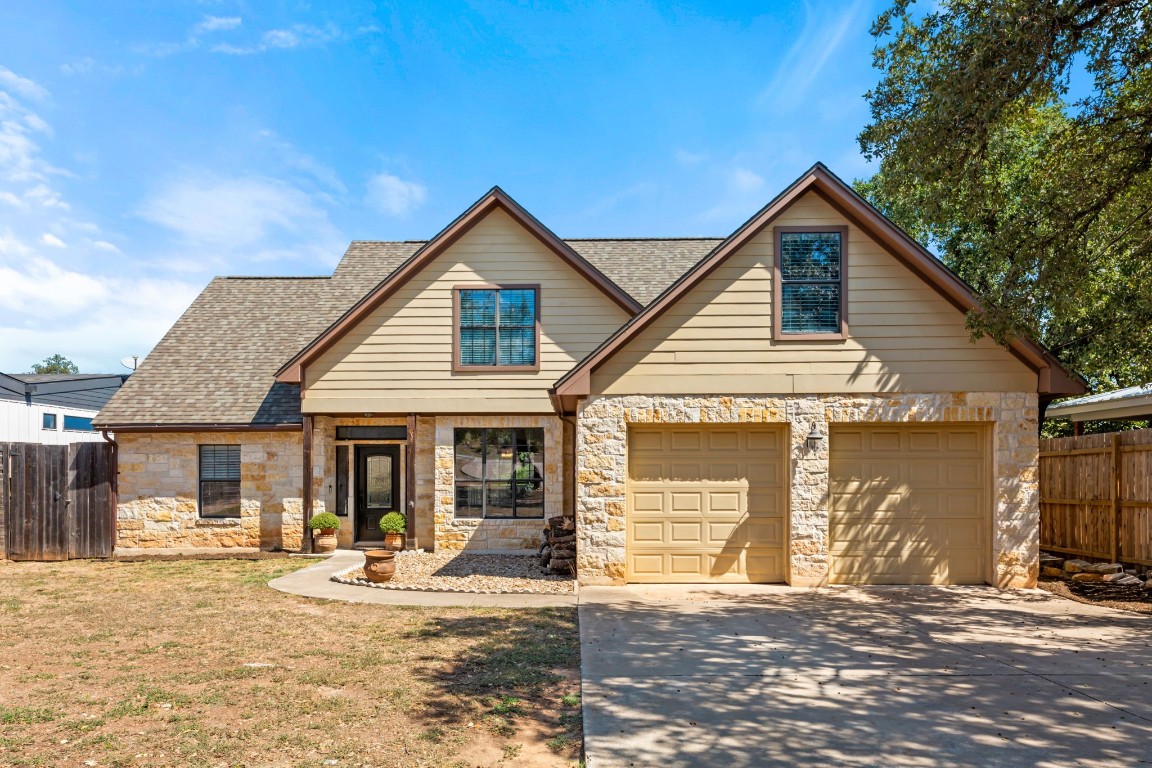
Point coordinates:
[[53, 408]]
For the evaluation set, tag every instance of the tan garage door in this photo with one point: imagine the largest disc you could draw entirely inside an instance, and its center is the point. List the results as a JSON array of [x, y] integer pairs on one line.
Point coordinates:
[[705, 504], [909, 504]]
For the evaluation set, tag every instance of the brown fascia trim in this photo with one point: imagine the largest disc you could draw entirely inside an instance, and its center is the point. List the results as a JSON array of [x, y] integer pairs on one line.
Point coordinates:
[[1052, 377], [120, 428], [292, 371]]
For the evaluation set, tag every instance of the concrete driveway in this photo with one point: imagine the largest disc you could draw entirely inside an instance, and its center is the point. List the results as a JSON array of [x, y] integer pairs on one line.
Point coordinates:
[[908, 676]]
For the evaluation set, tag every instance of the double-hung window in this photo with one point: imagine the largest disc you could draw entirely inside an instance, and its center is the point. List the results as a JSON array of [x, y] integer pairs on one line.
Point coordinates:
[[219, 481], [499, 472], [497, 328], [809, 273]]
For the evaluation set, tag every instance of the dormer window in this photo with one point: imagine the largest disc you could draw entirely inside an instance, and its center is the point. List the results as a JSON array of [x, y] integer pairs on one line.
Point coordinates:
[[497, 328], [809, 274]]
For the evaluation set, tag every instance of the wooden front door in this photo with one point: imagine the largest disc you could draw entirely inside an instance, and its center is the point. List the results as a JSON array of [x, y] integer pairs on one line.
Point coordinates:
[[377, 488]]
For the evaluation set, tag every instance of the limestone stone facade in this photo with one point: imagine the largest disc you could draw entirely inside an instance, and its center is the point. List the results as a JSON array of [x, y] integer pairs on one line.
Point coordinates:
[[494, 535], [159, 494], [602, 469]]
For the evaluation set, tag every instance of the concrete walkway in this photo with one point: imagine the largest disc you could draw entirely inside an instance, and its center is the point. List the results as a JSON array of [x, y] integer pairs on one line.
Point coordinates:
[[907, 676], [315, 581]]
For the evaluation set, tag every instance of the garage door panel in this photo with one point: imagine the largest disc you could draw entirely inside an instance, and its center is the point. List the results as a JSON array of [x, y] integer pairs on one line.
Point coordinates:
[[648, 501], [720, 503], [686, 440], [909, 504], [647, 532], [766, 533], [688, 501], [724, 502], [964, 474], [723, 440], [768, 442]]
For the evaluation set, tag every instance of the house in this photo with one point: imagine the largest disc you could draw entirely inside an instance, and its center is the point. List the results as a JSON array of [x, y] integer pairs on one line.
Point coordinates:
[[53, 408], [706, 410], [1127, 404]]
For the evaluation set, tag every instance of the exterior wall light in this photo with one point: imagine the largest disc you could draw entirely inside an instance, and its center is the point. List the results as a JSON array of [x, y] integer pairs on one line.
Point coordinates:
[[814, 438]]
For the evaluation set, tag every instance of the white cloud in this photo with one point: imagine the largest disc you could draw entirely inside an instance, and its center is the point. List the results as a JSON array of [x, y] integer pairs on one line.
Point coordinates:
[[823, 33], [690, 159], [217, 24], [744, 180], [64, 288], [296, 36], [393, 195], [21, 86], [231, 211]]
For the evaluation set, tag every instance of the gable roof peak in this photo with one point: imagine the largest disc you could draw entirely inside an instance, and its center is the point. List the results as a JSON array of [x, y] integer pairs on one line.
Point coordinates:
[[1052, 377], [292, 371]]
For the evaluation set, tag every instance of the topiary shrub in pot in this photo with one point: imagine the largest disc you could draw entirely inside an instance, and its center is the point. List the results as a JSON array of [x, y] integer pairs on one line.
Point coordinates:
[[394, 525], [324, 527]]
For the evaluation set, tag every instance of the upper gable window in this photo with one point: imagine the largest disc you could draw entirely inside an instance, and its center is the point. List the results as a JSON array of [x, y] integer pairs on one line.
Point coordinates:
[[810, 296], [497, 328]]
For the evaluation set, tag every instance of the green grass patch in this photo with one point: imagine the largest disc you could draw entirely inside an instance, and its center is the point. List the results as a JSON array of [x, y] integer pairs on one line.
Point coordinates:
[[26, 715]]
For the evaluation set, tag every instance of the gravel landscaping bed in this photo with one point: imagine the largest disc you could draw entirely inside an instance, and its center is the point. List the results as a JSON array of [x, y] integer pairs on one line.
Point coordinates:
[[465, 572]]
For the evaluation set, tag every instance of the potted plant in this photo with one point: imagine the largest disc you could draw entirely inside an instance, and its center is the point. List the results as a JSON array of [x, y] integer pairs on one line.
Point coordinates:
[[324, 527], [394, 525]]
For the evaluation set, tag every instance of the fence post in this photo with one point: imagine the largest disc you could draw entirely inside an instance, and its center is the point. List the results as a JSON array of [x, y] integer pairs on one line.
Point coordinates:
[[1117, 506], [4, 449]]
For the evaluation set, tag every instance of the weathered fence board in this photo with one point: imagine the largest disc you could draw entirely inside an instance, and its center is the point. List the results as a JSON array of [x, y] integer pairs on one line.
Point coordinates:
[[58, 500], [1096, 496]]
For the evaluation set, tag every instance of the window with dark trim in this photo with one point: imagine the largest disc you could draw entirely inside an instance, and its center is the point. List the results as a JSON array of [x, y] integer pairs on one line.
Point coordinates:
[[77, 423], [497, 328], [810, 277], [219, 481], [48, 421], [499, 473]]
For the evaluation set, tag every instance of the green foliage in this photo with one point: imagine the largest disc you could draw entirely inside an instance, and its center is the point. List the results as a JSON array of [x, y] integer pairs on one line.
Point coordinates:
[[55, 364], [508, 706], [1042, 203], [323, 520], [394, 522]]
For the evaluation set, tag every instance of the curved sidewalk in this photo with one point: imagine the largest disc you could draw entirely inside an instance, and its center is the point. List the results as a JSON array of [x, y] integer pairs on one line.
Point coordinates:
[[315, 581]]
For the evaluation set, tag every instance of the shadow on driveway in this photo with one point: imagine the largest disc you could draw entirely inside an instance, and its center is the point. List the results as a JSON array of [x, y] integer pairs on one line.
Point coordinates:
[[909, 676]]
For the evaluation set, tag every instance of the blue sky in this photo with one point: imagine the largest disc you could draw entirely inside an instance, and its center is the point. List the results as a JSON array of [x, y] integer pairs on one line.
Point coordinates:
[[147, 146]]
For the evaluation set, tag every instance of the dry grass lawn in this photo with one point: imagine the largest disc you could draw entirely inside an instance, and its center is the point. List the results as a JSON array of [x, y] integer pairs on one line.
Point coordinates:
[[199, 663]]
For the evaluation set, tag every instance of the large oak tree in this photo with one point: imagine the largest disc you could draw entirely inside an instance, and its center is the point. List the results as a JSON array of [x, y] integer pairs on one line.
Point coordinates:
[[1015, 137]]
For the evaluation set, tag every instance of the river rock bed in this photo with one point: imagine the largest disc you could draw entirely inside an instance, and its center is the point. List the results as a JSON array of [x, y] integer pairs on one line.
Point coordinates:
[[465, 572]]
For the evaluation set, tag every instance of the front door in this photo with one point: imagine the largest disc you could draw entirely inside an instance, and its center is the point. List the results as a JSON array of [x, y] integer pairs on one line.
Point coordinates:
[[377, 488]]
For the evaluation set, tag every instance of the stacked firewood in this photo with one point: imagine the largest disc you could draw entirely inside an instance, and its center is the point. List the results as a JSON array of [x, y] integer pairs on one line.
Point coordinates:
[[558, 545]]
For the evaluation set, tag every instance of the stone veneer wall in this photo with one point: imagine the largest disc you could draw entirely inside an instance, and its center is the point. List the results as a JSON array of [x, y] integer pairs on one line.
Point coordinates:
[[494, 535], [158, 491], [602, 467]]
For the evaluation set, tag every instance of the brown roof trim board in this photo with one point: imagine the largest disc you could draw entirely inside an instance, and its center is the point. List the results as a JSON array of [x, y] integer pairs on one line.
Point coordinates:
[[120, 428], [496, 198], [1052, 377]]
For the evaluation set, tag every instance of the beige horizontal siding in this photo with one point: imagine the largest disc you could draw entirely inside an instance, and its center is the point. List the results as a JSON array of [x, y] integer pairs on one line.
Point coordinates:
[[399, 359], [903, 336]]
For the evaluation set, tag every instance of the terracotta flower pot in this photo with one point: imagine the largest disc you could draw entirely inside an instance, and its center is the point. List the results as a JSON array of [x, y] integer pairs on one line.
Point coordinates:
[[379, 565], [394, 541], [324, 541]]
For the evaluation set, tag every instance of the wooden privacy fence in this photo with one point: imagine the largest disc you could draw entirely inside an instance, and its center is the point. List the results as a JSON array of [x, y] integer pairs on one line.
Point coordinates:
[[58, 500], [1096, 496]]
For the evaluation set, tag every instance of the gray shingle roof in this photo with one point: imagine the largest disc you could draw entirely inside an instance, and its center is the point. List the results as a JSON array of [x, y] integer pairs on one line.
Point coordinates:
[[217, 364]]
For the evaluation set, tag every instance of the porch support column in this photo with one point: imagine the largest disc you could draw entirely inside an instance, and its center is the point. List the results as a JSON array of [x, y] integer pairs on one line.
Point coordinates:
[[410, 481], [306, 536]]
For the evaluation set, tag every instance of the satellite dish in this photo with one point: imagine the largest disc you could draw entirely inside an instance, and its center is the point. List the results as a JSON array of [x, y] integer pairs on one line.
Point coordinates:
[[130, 362]]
